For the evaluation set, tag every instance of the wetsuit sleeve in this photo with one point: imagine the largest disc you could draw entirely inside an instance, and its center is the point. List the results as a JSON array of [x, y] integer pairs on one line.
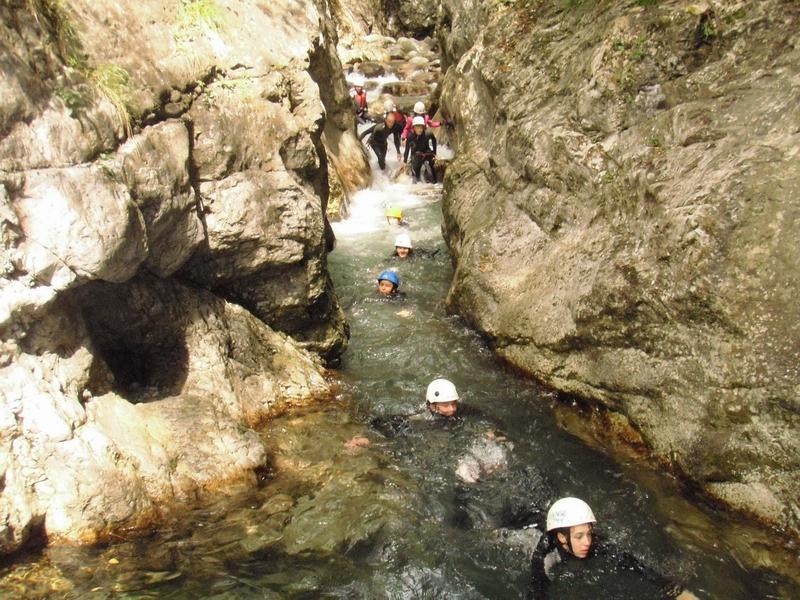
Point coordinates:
[[433, 143], [409, 143], [396, 131], [539, 584], [391, 426], [669, 589], [628, 562], [366, 132]]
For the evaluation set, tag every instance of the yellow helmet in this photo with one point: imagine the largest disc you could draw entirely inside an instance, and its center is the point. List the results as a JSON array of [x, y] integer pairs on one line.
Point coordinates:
[[395, 212]]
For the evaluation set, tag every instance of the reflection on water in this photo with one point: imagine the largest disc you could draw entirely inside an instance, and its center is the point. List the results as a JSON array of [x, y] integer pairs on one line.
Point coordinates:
[[390, 519]]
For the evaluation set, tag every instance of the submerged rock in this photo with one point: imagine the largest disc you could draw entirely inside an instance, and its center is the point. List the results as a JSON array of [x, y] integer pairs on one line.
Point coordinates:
[[623, 218]]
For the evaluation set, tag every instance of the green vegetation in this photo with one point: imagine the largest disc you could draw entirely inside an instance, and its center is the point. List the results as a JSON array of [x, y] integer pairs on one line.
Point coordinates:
[[708, 30], [197, 18], [654, 141], [107, 81], [647, 2], [111, 81], [52, 17]]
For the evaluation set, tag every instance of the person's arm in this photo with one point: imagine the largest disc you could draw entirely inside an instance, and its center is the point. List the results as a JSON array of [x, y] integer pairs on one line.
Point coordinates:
[[391, 426], [409, 143], [407, 128], [433, 142], [431, 123], [670, 589], [396, 131], [366, 132], [538, 584]]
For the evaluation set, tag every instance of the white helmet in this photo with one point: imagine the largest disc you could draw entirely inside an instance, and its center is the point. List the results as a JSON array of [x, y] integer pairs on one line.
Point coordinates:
[[568, 512], [388, 106], [418, 121], [403, 241], [441, 390], [419, 108]]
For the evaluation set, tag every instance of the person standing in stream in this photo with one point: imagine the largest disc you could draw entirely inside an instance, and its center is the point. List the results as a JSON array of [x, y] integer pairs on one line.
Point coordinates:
[[399, 123], [378, 138], [422, 146]]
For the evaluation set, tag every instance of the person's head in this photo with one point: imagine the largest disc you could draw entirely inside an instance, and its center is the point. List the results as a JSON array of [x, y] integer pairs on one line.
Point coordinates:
[[388, 282], [389, 120], [419, 108], [394, 214], [442, 397], [570, 524], [389, 107], [419, 125], [359, 89], [402, 245]]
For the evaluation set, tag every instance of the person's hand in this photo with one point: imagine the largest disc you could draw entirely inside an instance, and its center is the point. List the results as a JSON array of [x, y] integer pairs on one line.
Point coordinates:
[[686, 595], [399, 156], [355, 443]]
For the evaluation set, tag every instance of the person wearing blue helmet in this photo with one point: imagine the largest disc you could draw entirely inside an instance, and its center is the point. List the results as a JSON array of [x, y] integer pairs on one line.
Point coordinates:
[[388, 283]]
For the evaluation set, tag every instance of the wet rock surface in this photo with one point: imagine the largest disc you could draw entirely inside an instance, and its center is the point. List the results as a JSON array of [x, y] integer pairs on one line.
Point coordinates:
[[623, 221], [164, 176]]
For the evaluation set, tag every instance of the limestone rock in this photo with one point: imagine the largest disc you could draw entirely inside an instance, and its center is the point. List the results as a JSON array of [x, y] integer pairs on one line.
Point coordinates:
[[623, 221], [194, 371], [143, 146]]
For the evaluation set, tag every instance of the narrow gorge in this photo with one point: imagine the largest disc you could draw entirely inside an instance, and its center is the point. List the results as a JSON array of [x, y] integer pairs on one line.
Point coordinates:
[[191, 231]]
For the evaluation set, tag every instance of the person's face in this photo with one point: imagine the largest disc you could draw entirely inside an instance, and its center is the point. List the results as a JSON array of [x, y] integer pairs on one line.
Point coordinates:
[[419, 129], [359, 89], [401, 252], [446, 409], [580, 538], [393, 220], [385, 287], [390, 120]]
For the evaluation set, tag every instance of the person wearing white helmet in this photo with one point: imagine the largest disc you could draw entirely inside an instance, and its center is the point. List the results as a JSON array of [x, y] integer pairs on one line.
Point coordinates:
[[421, 144], [419, 111], [405, 250], [441, 398], [359, 96], [570, 537], [402, 246]]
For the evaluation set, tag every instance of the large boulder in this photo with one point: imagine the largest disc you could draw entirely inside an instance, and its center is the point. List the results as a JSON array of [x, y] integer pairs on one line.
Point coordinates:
[[163, 186], [623, 219], [127, 397]]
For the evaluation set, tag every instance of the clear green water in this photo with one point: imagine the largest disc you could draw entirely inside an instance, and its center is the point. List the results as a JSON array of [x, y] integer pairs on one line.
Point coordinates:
[[390, 520]]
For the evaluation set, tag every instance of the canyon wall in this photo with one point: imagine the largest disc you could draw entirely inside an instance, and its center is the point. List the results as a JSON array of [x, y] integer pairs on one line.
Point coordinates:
[[163, 184], [623, 215]]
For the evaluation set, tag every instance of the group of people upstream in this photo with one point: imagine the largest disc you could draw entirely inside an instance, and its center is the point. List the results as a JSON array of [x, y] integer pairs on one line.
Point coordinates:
[[420, 143], [568, 543]]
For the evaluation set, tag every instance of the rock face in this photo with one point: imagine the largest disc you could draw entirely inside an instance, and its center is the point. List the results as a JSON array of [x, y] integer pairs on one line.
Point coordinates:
[[624, 220], [163, 184]]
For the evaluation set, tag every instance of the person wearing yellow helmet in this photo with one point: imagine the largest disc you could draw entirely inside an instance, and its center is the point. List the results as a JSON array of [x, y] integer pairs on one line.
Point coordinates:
[[394, 216], [570, 540]]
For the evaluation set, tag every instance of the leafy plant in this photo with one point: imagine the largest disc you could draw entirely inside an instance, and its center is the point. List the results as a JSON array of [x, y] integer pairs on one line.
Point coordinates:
[[654, 141]]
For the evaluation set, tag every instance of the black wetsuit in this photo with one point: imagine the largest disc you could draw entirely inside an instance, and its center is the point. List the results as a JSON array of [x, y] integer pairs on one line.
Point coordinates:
[[378, 141], [417, 253], [549, 559], [423, 149]]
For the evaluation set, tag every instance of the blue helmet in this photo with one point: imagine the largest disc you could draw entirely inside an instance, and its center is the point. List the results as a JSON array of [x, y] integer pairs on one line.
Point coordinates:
[[390, 276]]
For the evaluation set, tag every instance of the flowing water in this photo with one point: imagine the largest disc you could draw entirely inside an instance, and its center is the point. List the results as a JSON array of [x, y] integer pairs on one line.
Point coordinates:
[[390, 519]]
